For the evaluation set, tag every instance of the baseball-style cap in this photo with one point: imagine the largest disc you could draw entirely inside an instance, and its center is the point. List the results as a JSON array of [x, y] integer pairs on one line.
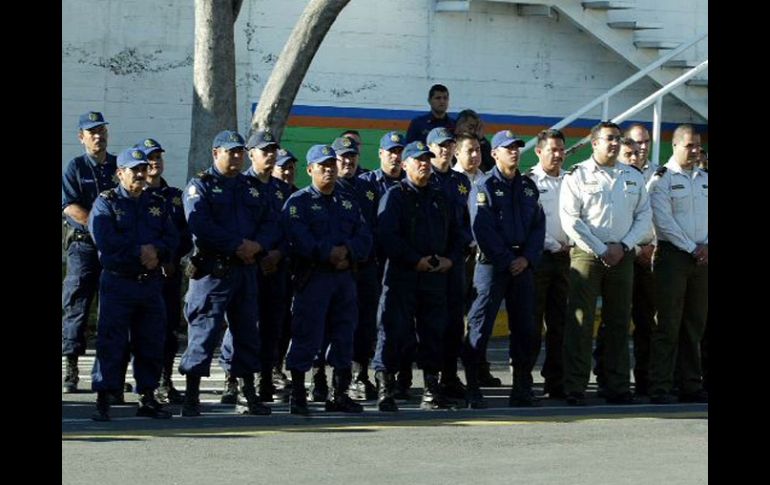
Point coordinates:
[[131, 157], [228, 140], [320, 154], [261, 139], [506, 138], [391, 139], [148, 145], [439, 135], [344, 145], [416, 149], [284, 156], [92, 119]]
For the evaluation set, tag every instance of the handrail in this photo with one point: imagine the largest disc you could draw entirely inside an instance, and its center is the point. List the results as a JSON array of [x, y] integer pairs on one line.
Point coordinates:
[[604, 98], [656, 96]]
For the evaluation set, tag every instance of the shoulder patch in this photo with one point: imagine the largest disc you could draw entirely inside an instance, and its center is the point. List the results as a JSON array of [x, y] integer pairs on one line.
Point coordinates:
[[108, 194], [661, 170], [572, 169]]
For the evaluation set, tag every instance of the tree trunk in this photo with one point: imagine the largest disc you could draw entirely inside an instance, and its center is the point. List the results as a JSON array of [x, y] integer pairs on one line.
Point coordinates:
[[214, 103], [278, 95]]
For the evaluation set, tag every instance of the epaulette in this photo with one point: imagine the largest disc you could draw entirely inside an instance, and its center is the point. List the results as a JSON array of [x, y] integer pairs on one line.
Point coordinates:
[[203, 175], [109, 194], [158, 196], [637, 169], [661, 170], [572, 169]]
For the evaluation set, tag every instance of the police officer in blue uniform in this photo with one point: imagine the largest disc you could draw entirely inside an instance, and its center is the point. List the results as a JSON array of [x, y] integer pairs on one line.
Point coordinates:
[[456, 187], [285, 170], [83, 179], [271, 275], [134, 234], [419, 230], [231, 223], [172, 281], [438, 117], [328, 238], [389, 174], [367, 280], [509, 226]]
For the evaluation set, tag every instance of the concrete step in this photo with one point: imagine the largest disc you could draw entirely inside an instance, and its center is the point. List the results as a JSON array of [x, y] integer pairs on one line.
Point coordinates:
[[680, 64], [608, 5], [635, 25], [701, 83], [656, 44]]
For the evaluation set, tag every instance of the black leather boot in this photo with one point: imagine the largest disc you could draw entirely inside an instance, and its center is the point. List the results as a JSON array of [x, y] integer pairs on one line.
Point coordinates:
[[102, 407], [252, 405], [298, 399], [361, 388], [149, 407], [230, 393], [319, 387], [386, 383], [71, 375], [340, 401], [431, 396], [473, 397], [191, 405]]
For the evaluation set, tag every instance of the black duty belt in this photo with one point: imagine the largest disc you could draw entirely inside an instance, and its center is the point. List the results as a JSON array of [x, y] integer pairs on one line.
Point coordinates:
[[140, 277]]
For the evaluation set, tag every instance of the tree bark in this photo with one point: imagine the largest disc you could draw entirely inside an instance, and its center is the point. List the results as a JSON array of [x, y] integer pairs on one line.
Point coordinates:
[[281, 88], [214, 100]]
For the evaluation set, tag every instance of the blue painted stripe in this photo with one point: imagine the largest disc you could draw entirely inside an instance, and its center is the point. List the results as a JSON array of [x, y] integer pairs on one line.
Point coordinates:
[[406, 115]]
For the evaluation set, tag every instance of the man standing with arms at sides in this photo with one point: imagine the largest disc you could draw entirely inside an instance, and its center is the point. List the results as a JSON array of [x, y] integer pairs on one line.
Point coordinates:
[[367, 280], [285, 170], [552, 273], [509, 226], [271, 271], [84, 178], [327, 238], [456, 187], [385, 177], [679, 197], [135, 236], [420, 233], [438, 98], [604, 209], [172, 281], [231, 223]]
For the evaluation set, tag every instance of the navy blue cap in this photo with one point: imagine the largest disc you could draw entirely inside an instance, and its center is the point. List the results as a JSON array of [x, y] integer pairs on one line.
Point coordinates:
[[506, 138], [228, 140], [416, 149], [439, 135], [92, 119], [131, 157], [148, 145], [261, 139], [344, 145], [284, 157], [320, 154], [391, 139]]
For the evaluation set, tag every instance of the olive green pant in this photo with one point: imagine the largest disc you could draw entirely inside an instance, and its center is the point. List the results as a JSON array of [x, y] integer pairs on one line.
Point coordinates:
[[589, 278], [681, 298], [551, 288]]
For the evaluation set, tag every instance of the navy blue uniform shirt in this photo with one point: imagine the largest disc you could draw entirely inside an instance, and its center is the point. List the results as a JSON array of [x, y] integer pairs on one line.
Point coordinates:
[[414, 222], [83, 180], [380, 180], [120, 225], [316, 222], [222, 211], [457, 187], [420, 127], [504, 214], [173, 197], [368, 198]]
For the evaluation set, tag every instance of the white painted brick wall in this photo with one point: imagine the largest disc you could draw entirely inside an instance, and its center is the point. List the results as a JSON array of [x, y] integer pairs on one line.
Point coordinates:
[[379, 54]]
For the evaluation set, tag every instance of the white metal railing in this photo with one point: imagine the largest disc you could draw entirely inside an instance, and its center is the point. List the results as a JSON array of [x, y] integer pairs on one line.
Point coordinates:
[[656, 97]]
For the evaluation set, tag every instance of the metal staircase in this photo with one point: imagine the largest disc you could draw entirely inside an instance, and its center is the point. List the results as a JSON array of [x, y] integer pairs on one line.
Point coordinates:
[[620, 26]]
